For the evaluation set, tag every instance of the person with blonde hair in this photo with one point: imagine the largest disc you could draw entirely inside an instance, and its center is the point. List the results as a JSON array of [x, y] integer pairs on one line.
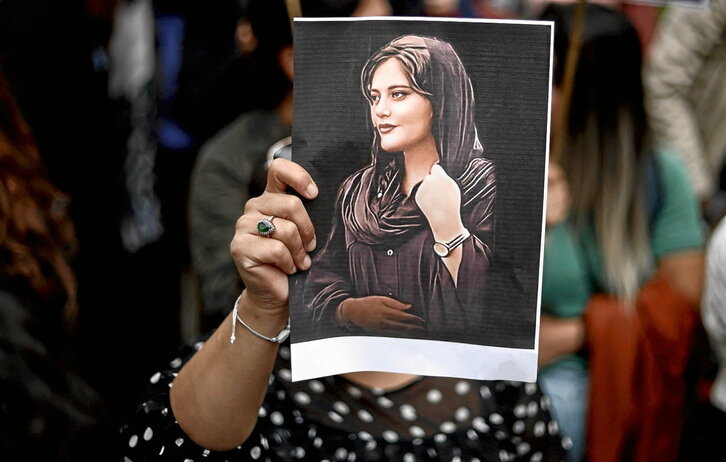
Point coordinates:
[[623, 258]]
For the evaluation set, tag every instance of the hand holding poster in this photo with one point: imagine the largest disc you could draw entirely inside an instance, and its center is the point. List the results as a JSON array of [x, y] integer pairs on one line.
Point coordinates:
[[428, 140]]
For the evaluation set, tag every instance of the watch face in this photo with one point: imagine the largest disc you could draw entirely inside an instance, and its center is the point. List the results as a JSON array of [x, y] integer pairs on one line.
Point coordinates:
[[440, 249]]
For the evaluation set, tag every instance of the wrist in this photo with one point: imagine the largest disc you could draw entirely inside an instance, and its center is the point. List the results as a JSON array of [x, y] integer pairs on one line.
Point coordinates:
[[445, 248], [449, 232], [340, 317], [265, 320]]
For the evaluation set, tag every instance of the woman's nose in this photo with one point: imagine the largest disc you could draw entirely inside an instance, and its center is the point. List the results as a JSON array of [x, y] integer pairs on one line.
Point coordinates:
[[381, 108]]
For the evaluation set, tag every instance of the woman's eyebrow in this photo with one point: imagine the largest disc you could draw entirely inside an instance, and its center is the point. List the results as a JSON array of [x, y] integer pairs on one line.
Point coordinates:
[[392, 87]]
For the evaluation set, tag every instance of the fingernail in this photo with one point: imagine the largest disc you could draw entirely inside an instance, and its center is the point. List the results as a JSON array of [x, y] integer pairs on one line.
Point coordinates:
[[311, 190], [311, 246], [306, 262]]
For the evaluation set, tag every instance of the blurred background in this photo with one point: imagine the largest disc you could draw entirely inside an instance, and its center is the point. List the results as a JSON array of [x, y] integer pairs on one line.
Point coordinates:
[[133, 132]]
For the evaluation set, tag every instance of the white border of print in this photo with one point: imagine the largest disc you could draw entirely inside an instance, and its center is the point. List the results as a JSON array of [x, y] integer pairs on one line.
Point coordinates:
[[339, 355]]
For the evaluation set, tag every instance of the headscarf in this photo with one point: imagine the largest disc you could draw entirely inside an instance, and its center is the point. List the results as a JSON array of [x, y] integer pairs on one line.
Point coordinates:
[[373, 205]]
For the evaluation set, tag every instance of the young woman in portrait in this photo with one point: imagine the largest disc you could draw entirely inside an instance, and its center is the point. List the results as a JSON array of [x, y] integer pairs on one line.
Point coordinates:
[[413, 231]]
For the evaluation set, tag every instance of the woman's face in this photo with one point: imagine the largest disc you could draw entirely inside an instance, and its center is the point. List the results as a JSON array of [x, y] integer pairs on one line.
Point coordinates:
[[401, 115]]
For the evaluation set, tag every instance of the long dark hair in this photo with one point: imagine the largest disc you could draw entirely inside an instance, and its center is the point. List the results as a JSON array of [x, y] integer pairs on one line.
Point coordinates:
[[607, 149], [435, 71]]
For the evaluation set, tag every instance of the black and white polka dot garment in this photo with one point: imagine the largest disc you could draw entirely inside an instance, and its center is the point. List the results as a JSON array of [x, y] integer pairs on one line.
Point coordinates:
[[332, 419]]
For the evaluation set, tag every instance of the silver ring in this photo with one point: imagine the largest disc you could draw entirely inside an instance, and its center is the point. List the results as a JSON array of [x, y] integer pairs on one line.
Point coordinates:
[[265, 226]]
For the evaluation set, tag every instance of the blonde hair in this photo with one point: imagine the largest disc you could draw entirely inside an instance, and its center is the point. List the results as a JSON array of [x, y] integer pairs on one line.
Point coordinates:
[[607, 153]]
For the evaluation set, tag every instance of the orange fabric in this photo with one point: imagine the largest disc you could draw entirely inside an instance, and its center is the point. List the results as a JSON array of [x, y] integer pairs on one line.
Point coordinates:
[[637, 364]]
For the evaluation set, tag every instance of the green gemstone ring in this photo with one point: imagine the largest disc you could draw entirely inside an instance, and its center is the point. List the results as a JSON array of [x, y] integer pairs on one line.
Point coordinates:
[[265, 226]]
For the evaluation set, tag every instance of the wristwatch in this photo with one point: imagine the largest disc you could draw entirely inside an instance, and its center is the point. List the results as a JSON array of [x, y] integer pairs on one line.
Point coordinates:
[[443, 249]]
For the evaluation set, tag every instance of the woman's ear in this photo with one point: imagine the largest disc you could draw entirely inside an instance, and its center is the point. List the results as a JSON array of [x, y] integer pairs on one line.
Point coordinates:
[[285, 59]]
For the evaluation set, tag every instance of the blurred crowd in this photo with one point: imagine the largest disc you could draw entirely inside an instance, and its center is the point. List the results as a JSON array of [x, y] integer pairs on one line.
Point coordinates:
[[132, 132]]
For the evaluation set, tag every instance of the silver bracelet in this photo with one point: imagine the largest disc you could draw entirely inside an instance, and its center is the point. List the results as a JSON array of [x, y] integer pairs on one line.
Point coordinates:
[[279, 338]]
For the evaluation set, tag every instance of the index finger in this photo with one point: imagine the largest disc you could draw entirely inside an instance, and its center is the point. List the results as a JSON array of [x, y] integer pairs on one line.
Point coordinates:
[[393, 303], [284, 173]]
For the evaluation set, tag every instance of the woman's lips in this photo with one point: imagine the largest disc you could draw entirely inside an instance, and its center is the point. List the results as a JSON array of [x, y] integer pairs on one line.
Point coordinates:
[[386, 128]]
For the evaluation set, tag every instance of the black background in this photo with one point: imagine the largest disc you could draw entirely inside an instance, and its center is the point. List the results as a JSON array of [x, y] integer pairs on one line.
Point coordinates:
[[509, 68]]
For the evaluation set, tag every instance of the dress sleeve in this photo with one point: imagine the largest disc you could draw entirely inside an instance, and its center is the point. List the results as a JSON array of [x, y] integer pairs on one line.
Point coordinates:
[[478, 197], [153, 434], [478, 191], [328, 282], [677, 223]]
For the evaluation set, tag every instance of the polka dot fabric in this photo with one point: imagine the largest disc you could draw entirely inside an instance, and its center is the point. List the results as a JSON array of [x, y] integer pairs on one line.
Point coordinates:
[[332, 419]]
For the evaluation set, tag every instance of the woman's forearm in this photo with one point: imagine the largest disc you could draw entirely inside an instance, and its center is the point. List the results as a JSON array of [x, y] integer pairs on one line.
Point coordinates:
[[559, 337], [685, 272], [217, 395]]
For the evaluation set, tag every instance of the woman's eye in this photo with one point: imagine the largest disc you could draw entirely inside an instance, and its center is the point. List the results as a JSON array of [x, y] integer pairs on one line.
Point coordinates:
[[374, 98], [398, 94]]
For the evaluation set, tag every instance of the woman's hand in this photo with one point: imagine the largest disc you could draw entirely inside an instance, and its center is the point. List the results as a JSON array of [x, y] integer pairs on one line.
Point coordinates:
[[439, 198], [264, 262], [558, 195], [217, 394], [378, 314]]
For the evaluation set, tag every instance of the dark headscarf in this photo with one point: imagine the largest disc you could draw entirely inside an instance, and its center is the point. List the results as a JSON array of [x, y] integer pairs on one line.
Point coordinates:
[[373, 205], [437, 73]]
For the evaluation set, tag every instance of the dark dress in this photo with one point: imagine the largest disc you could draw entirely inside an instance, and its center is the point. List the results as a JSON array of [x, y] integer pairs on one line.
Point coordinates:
[[332, 419], [381, 244]]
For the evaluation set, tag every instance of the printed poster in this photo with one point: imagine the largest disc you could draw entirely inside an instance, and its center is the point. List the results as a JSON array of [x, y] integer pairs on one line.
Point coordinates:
[[428, 140]]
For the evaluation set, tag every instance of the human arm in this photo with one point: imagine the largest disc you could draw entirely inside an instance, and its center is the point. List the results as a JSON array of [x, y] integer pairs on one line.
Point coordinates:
[[337, 299], [439, 198], [677, 237], [686, 38], [453, 208], [217, 394], [559, 337]]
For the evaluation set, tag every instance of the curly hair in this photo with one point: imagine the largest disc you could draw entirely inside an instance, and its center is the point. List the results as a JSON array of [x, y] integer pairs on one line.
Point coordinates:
[[37, 238]]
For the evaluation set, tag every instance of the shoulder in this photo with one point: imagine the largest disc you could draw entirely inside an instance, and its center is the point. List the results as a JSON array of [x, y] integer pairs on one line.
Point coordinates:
[[480, 164], [677, 222], [357, 178], [478, 175], [672, 171], [251, 132]]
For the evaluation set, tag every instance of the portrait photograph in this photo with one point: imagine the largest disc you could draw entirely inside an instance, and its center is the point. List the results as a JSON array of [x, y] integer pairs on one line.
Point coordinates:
[[428, 140]]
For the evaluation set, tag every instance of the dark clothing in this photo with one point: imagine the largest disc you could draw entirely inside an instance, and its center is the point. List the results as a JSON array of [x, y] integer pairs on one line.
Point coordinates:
[[229, 171], [381, 244], [331, 418], [47, 411]]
